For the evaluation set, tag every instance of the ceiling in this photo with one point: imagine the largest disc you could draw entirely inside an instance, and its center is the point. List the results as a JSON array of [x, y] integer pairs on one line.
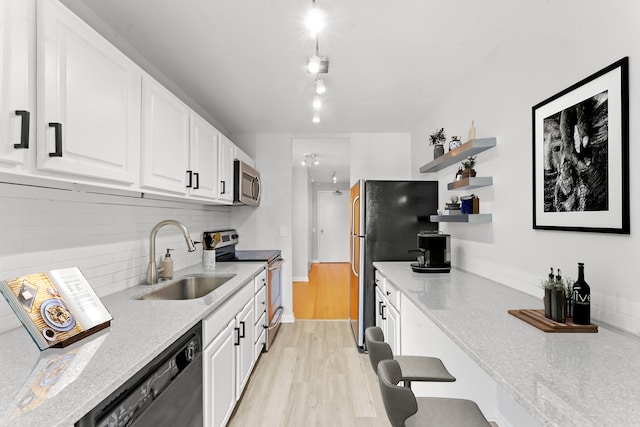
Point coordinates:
[[243, 61]]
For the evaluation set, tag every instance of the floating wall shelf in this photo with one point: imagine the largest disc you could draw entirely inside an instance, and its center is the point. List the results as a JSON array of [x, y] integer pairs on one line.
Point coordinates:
[[469, 183], [461, 218], [469, 148]]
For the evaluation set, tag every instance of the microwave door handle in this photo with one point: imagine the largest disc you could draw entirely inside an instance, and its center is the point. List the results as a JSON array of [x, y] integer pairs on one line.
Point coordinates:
[[256, 183]]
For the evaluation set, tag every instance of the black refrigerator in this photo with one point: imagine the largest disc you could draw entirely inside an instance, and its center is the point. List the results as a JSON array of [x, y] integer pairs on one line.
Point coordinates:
[[386, 217]]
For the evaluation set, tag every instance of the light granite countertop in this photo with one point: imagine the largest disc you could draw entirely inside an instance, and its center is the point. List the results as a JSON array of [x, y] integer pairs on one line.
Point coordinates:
[[561, 379], [56, 387]]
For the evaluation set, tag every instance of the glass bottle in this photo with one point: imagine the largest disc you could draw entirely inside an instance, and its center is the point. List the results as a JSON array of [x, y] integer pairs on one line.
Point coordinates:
[[581, 299]]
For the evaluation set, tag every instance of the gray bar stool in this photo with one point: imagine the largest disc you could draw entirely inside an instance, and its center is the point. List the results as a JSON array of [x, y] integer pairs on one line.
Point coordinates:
[[413, 368], [404, 409]]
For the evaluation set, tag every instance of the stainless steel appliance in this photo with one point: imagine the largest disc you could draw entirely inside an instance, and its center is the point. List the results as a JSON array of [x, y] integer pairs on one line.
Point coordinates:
[[226, 251], [435, 252], [168, 391], [246, 184], [386, 216]]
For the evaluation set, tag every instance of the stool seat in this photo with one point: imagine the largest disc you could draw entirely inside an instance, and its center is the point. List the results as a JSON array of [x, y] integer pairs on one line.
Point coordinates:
[[404, 409], [423, 368], [414, 368]]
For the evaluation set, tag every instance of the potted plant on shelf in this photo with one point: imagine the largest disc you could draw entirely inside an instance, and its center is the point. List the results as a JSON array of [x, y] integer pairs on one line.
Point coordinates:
[[467, 165], [437, 139]]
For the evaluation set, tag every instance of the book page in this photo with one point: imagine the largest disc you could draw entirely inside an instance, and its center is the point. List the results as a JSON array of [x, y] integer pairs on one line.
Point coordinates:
[[80, 297], [46, 309]]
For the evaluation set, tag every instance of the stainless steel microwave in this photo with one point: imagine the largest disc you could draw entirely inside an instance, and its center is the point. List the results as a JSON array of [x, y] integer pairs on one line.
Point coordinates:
[[246, 184]]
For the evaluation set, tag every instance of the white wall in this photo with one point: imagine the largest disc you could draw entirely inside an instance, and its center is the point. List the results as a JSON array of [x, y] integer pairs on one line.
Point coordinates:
[[560, 44], [380, 156], [344, 187], [106, 236], [300, 225]]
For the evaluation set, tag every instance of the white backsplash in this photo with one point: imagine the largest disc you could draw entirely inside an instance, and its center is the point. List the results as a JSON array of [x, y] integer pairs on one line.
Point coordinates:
[[106, 236]]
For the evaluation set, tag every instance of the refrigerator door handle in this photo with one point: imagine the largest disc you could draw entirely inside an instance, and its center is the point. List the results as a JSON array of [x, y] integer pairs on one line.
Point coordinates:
[[353, 215], [353, 252]]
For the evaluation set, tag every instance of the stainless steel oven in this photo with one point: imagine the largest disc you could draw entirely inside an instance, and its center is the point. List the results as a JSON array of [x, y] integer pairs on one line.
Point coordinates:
[[226, 251], [246, 184]]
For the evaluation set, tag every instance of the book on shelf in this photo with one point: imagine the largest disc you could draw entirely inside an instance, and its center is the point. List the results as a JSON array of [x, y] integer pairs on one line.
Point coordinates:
[[57, 308]]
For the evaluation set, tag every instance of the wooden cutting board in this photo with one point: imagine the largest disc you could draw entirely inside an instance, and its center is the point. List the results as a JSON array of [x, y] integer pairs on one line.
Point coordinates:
[[536, 318]]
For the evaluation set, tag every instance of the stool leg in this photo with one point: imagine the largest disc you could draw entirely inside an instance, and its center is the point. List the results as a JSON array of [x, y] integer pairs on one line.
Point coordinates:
[[407, 384]]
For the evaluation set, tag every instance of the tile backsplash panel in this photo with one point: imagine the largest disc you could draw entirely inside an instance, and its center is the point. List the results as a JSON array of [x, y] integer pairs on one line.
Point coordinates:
[[107, 236]]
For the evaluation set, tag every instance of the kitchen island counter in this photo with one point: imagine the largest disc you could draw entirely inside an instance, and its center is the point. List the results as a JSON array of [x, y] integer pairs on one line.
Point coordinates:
[[56, 387], [560, 379]]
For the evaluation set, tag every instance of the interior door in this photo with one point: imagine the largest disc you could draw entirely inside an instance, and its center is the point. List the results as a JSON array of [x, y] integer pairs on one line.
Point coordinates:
[[333, 227]]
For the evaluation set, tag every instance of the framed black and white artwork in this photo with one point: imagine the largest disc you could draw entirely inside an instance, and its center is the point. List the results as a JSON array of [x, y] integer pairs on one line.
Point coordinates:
[[581, 155]]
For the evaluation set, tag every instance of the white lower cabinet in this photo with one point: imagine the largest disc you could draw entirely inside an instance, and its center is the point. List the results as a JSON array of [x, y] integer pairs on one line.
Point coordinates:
[[388, 311], [245, 332], [220, 380], [229, 337]]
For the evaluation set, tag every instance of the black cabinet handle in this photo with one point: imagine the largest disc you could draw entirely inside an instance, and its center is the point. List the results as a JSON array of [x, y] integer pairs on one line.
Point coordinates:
[[224, 187], [58, 129], [237, 343], [383, 315], [243, 331], [24, 129], [190, 173], [197, 177], [380, 308]]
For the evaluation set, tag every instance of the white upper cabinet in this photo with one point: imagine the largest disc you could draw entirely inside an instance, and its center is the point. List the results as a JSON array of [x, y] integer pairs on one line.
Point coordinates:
[[203, 156], [17, 83], [226, 156], [88, 100], [165, 139]]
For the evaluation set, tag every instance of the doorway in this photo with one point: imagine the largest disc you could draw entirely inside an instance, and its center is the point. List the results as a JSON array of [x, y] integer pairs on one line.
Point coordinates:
[[320, 260], [333, 226]]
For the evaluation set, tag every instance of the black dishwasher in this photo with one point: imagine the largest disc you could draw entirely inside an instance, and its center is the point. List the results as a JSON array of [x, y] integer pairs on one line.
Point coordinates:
[[166, 392]]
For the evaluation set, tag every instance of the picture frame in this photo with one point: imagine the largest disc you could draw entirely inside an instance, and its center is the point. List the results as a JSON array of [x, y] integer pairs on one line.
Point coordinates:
[[581, 155]]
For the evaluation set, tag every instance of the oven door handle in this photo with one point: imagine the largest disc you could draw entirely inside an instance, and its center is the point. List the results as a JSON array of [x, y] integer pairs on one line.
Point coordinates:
[[276, 264]]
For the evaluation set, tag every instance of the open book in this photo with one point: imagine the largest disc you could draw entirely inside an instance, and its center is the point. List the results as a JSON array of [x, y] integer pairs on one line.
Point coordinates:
[[57, 308]]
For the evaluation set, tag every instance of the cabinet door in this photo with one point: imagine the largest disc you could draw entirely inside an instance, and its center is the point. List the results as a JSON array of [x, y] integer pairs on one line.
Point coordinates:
[[392, 334], [88, 100], [203, 158], [245, 329], [380, 310], [219, 377], [226, 156], [17, 82], [165, 139]]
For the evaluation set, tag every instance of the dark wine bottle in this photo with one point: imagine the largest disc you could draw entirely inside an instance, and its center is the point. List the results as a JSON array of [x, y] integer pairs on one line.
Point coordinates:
[[581, 299]]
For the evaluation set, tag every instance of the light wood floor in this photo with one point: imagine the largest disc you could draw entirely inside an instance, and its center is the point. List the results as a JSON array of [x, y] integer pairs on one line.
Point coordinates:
[[312, 376], [325, 295]]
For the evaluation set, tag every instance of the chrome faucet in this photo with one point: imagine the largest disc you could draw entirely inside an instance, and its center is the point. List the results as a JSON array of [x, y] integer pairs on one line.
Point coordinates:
[[152, 269]]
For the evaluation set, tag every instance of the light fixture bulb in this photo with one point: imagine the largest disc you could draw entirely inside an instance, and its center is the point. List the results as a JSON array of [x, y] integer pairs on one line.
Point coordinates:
[[314, 64], [317, 102], [315, 161], [320, 87], [316, 117], [315, 21]]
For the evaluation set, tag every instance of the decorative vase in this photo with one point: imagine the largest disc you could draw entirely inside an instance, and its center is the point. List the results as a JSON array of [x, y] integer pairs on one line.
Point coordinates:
[[438, 150], [466, 173]]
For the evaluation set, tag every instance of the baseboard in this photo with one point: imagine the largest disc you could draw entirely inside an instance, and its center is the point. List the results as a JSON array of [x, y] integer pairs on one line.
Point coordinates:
[[301, 278], [288, 318], [315, 261]]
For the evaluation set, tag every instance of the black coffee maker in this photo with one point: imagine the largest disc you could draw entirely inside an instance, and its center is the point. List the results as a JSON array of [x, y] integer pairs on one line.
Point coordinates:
[[434, 248]]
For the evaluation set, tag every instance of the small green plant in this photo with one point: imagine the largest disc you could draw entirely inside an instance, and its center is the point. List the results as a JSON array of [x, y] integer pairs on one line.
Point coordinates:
[[469, 163], [438, 137]]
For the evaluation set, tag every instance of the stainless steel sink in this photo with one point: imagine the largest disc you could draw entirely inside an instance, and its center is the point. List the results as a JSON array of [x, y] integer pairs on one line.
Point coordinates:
[[189, 287]]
